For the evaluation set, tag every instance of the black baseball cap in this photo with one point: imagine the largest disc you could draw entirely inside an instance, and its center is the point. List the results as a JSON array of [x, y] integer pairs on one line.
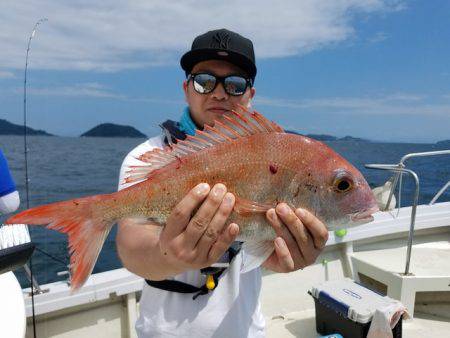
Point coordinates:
[[221, 44]]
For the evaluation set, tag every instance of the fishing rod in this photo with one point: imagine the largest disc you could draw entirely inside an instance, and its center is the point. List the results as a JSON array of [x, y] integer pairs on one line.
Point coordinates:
[[29, 269], [33, 33]]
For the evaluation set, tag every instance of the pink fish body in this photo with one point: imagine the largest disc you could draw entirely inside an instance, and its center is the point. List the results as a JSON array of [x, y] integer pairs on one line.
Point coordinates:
[[256, 160]]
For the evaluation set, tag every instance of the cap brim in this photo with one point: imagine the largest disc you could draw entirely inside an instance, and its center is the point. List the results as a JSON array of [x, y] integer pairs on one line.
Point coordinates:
[[191, 58]]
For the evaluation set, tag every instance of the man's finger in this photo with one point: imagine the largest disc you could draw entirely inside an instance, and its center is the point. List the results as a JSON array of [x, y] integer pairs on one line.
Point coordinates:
[[315, 227], [280, 228], [293, 223], [285, 259], [282, 231], [202, 218], [215, 227], [276, 223], [303, 238], [223, 243], [181, 214]]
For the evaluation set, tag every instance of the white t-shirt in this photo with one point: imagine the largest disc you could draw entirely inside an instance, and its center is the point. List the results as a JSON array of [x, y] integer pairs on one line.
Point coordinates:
[[9, 203], [230, 310]]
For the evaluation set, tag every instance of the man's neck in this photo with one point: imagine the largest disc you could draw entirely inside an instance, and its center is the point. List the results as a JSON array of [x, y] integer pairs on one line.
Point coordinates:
[[187, 123]]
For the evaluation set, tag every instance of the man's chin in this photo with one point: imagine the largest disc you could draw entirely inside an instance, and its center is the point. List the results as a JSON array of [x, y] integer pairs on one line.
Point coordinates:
[[215, 117], [217, 112]]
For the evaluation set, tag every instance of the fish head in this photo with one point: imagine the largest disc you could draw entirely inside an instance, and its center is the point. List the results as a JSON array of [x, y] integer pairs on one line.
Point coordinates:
[[344, 198]]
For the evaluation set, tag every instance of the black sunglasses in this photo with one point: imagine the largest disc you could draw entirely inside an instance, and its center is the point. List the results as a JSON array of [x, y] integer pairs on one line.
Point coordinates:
[[205, 83]]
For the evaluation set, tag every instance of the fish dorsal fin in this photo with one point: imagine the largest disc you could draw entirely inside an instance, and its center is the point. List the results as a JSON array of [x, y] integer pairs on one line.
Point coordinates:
[[233, 125]]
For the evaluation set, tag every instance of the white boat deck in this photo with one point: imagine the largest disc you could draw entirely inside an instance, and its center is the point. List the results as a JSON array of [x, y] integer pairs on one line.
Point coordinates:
[[427, 259], [378, 251], [429, 269], [302, 324], [290, 311]]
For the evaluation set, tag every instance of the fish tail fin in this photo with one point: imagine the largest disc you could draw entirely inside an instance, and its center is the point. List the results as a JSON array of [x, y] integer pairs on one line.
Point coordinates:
[[85, 224]]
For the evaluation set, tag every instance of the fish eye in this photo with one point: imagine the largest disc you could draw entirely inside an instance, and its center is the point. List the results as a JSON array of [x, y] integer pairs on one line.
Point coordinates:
[[343, 184]]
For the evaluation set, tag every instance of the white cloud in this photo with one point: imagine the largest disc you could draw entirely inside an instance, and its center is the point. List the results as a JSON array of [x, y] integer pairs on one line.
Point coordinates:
[[378, 37], [92, 90], [95, 90], [6, 75], [392, 104], [115, 35]]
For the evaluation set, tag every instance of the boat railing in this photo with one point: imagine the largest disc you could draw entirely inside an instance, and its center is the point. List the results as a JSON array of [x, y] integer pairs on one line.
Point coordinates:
[[399, 169], [439, 193]]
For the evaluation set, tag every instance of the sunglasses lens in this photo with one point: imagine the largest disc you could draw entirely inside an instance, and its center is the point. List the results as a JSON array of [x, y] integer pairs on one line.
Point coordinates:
[[204, 83], [235, 85]]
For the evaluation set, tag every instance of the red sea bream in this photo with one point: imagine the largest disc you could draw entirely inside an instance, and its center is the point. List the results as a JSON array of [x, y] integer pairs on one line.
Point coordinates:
[[257, 161]]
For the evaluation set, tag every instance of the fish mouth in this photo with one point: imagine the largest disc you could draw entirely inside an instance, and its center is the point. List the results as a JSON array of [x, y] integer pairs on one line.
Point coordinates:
[[365, 215]]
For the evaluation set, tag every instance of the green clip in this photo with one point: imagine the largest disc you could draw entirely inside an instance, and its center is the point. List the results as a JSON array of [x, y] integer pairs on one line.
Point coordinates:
[[340, 233]]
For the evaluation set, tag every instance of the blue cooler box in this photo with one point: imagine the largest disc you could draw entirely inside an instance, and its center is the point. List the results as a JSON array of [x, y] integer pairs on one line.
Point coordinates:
[[346, 307]]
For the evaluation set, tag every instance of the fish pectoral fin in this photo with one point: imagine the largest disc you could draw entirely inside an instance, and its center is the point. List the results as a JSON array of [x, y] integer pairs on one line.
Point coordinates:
[[255, 254], [142, 220], [246, 207]]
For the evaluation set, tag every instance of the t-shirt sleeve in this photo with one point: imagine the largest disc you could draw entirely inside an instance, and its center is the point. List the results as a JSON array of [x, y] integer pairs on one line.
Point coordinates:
[[131, 159], [7, 184]]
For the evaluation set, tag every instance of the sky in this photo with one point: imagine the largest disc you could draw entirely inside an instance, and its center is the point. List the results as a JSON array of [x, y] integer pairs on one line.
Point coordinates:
[[374, 69]]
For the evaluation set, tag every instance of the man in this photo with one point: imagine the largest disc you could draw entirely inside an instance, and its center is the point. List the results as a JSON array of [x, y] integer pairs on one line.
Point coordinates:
[[220, 71]]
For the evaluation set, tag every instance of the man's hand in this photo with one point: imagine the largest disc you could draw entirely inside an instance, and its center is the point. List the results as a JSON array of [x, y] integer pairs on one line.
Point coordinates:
[[301, 238], [196, 234]]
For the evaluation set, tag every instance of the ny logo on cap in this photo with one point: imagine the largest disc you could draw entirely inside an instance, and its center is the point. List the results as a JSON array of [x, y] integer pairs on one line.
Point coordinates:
[[220, 40]]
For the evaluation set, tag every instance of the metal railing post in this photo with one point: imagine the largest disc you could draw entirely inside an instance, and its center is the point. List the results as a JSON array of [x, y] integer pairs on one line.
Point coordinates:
[[400, 170]]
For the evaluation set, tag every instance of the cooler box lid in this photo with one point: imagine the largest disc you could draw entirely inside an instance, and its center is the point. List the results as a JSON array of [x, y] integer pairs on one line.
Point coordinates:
[[350, 299]]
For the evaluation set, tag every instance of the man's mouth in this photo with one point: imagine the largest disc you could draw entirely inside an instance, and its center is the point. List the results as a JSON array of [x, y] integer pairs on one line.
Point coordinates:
[[218, 110]]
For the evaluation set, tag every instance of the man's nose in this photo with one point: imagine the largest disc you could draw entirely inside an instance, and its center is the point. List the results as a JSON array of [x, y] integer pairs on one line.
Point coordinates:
[[219, 92]]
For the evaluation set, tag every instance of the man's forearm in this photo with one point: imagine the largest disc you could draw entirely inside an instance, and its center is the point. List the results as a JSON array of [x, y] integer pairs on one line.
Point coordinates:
[[138, 249]]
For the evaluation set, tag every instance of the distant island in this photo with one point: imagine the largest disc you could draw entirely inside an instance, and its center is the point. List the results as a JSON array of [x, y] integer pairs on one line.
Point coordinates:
[[444, 143], [8, 128], [116, 130], [325, 137], [113, 130]]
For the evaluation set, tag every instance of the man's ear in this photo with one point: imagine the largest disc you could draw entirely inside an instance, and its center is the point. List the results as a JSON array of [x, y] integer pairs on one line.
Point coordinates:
[[185, 90], [252, 92]]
